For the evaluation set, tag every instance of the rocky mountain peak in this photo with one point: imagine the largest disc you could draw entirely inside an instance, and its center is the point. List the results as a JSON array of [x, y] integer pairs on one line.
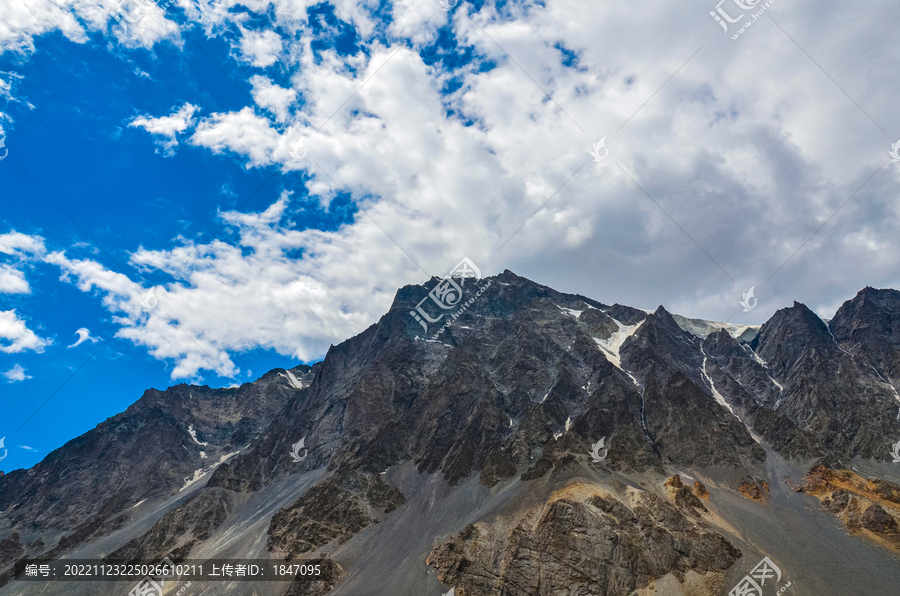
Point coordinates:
[[790, 334]]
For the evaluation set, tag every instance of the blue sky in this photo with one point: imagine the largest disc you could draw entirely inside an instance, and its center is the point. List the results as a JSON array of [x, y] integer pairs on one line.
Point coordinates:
[[165, 161], [79, 177]]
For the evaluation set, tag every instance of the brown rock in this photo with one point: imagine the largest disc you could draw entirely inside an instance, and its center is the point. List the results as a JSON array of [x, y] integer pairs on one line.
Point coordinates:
[[674, 482], [876, 519], [755, 490], [700, 490]]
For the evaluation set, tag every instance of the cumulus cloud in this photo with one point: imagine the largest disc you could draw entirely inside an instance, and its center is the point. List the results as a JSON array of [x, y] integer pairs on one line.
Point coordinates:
[[729, 160], [15, 336], [19, 244], [12, 281], [167, 128], [301, 306], [84, 335], [16, 374], [276, 99], [260, 48]]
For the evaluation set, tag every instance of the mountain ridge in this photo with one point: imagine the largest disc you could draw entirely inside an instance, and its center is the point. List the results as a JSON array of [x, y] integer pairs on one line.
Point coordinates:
[[509, 396]]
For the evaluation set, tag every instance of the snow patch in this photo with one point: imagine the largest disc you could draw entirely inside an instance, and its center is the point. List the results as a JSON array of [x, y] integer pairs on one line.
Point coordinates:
[[193, 434], [190, 481], [569, 311], [545, 396], [510, 421], [765, 365], [568, 423], [613, 343], [198, 475], [702, 328], [294, 381], [138, 503], [202, 455]]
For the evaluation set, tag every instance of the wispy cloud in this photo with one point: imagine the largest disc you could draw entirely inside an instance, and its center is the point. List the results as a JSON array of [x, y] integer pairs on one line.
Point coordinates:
[[84, 335]]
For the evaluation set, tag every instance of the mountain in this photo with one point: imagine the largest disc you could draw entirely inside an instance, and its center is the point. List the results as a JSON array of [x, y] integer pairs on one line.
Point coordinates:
[[468, 455]]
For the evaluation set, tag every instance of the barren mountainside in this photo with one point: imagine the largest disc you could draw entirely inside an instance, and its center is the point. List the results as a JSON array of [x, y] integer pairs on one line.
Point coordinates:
[[471, 459]]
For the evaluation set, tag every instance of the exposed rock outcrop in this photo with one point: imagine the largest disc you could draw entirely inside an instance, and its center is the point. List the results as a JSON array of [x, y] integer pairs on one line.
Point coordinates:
[[754, 489], [869, 507], [335, 509]]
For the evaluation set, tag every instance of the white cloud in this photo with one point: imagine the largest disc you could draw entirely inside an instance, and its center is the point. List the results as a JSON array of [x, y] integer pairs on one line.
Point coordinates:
[[16, 374], [84, 335], [12, 281], [19, 337], [272, 97], [16, 243], [260, 48], [750, 147], [300, 306], [167, 128], [242, 132], [27, 448]]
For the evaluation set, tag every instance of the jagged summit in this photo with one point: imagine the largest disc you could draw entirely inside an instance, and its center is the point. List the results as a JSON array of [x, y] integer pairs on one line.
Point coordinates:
[[485, 416]]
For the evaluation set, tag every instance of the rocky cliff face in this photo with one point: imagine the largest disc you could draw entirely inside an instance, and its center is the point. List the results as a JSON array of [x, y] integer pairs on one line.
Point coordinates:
[[581, 541], [529, 391], [152, 449]]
